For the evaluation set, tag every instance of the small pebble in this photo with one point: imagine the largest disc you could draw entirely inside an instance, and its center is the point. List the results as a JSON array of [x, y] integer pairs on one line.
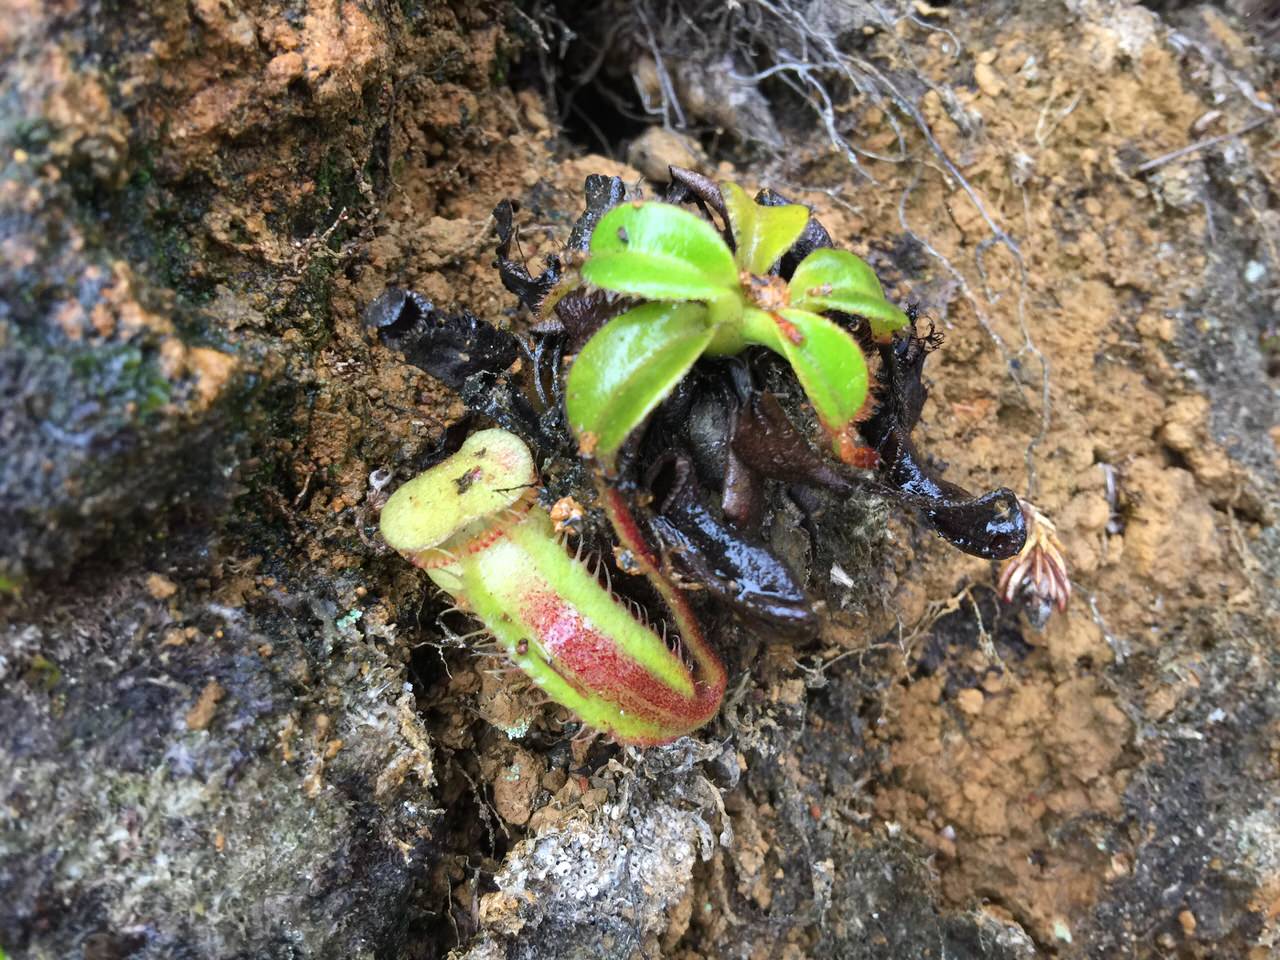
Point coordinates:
[[160, 587], [988, 80], [970, 701]]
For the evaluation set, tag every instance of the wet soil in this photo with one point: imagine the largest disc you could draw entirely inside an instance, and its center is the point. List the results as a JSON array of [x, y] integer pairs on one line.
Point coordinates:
[[223, 699]]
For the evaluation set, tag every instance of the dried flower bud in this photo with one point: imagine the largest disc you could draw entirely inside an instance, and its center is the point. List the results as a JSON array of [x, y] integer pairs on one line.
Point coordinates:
[[1038, 571]]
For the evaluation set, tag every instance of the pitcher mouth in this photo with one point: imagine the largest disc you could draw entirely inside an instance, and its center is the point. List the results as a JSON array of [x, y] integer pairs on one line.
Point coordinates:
[[463, 504], [476, 536]]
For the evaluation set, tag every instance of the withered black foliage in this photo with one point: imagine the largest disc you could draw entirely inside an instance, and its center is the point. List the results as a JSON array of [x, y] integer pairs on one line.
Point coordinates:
[[730, 562], [688, 186], [466, 354], [450, 347], [530, 290], [696, 474], [603, 194], [765, 437], [581, 312], [714, 539], [991, 525]]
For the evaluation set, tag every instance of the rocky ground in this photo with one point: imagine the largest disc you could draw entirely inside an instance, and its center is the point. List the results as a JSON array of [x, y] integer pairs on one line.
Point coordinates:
[[230, 723]]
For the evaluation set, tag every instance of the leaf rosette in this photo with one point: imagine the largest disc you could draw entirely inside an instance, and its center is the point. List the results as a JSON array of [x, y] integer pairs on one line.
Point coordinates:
[[704, 298]]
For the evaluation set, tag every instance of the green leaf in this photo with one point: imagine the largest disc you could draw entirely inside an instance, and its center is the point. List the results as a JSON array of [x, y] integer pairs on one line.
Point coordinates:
[[659, 252], [842, 270], [827, 361], [762, 234], [627, 368], [837, 280]]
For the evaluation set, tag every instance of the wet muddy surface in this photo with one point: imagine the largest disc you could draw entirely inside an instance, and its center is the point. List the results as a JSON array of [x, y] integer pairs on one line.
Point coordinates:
[[234, 724]]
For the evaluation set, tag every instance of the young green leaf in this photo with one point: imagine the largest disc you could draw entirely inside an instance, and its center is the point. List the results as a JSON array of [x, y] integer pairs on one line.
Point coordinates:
[[762, 234], [659, 252], [627, 368], [827, 361], [830, 279]]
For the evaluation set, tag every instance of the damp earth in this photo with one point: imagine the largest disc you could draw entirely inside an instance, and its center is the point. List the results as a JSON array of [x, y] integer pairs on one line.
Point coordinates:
[[233, 724]]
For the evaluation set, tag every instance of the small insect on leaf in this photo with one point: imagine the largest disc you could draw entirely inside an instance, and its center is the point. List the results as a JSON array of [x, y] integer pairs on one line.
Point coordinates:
[[628, 367], [659, 252], [464, 481], [762, 234], [830, 279]]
